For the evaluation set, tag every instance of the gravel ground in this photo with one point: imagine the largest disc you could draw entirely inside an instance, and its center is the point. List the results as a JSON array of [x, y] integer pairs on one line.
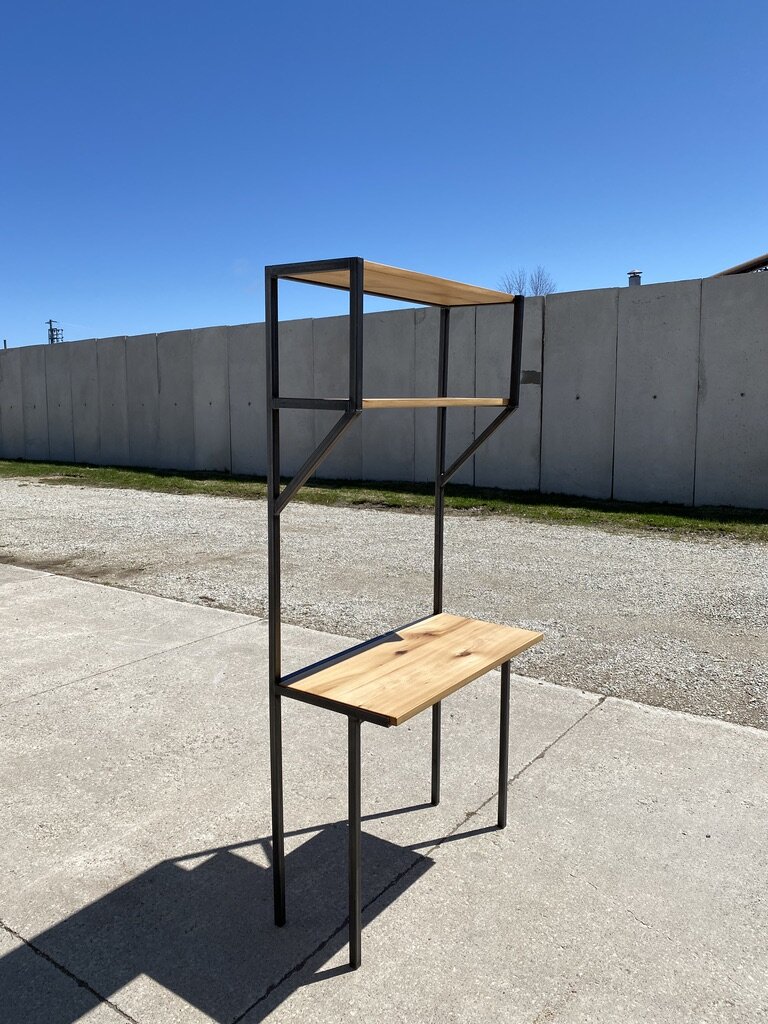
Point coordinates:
[[674, 621]]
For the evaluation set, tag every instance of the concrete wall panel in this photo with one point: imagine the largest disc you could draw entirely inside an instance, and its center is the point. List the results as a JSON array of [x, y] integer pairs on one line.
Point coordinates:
[[579, 393], [426, 335], [510, 457], [388, 372], [84, 374], [297, 426], [143, 399], [61, 438], [210, 380], [11, 405], [331, 355], [188, 399], [657, 372], [176, 433], [461, 383], [732, 442], [113, 402], [247, 403], [35, 402]]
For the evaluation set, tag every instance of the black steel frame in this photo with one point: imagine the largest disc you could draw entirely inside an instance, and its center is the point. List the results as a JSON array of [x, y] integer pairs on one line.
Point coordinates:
[[279, 686]]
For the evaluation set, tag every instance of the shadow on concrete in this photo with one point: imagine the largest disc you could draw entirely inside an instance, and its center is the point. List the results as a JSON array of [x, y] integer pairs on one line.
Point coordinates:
[[201, 927]]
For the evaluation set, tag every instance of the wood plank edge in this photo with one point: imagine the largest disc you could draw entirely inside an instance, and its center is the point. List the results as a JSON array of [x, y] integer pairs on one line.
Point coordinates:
[[526, 646]]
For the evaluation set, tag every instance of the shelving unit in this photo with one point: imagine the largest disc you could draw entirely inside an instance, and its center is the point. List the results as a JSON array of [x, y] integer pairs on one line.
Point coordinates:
[[392, 677]]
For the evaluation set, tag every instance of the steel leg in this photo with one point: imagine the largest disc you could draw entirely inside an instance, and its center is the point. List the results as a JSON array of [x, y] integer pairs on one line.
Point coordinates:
[[278, 841], [355, 887], [504, 745], [436, 741]]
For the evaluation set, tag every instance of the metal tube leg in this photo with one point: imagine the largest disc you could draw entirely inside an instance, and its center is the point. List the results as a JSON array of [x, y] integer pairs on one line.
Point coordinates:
[[278, 840], [436, 739], [504, 745], [355, 887]]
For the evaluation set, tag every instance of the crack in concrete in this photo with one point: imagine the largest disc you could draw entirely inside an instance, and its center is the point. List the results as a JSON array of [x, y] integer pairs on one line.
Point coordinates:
[[638, 919], [616, 900], [516, 776], [298, 967], [128, 664], [23, 583], [80, 982]]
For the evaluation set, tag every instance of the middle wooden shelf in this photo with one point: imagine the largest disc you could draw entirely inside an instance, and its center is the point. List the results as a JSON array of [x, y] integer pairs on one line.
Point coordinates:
[[393, 677], [429, 403]]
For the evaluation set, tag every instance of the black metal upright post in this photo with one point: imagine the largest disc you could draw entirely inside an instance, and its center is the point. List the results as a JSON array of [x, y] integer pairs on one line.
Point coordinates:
[[273, 561], [356, 300], [356, 306], [504, 746], [442, 391], [351, 408], [355, 873]]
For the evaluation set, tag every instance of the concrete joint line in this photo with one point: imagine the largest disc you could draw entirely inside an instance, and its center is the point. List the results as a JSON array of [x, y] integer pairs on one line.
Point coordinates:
[[627, 910], [127, 664], [321, 945], [517, 775], [299, 966], [414, 863], [25, 583], [69, 974]]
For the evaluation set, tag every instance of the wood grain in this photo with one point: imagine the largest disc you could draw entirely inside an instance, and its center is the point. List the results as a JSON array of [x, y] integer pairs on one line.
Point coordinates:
[[401, 673], [408, 286]]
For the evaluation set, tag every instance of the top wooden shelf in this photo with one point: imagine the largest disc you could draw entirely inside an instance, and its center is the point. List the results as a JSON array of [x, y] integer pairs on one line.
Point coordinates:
[[395, 676], [405, 285]]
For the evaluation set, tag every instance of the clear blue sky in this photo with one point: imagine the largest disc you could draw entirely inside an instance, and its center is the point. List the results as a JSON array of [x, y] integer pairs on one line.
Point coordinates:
[[156, 155]]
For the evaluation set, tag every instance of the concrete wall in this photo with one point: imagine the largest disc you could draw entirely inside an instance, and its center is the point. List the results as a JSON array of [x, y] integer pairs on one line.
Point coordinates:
[[732, 428], [657, 393], [61, 437], [511, 457], [143, 399], [84, 380], [11, 409], [657, 372], [247, 421], [579, 393], [113, 402]]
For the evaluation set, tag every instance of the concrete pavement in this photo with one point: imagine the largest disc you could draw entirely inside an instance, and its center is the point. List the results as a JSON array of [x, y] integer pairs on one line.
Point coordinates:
[[629, 886]]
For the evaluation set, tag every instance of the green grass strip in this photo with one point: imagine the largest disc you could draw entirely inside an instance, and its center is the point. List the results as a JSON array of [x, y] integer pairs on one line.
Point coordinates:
[[747, 524]]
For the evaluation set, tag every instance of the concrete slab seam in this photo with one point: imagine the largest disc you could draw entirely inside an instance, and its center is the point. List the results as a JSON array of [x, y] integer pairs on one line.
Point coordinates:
[[650, 708], [698, 396], [127, 664], [541, 396], [141, 593], [674, 713], [73, 977], [23, 583], [47, 417], [645, 924], [229, 399], [513, 778], [298, 967], [615, 400]]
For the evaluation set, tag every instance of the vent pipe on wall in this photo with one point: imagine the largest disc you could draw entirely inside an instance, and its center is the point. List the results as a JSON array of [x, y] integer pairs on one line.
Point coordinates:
[[634, 277]]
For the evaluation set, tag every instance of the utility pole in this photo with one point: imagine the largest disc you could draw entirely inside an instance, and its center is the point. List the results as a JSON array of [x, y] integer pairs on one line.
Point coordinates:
[[55, 334]]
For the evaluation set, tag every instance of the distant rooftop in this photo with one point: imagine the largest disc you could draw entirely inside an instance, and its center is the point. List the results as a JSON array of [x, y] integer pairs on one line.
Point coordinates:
[[751, 266]]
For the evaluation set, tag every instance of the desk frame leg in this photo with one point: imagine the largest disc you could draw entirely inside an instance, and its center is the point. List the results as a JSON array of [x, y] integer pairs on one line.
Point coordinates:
[[504, 745], [436, 742], [355, 874], [278, 828]]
